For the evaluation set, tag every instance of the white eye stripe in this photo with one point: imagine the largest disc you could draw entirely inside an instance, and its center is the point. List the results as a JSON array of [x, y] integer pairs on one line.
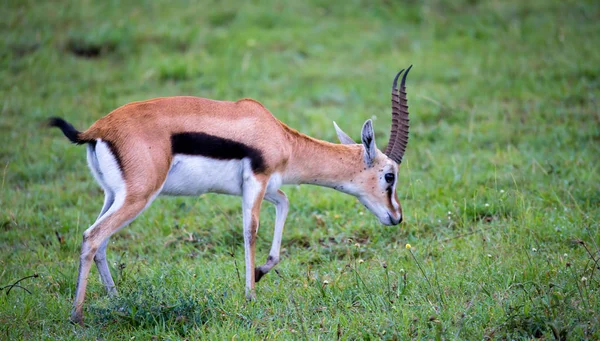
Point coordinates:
[[393, 198]]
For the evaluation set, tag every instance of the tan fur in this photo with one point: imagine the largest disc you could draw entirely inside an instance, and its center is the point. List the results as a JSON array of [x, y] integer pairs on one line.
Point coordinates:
[[141, 131], [141, 134]]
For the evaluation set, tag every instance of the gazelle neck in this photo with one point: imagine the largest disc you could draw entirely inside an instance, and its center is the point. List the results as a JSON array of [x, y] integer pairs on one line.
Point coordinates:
[[322, 163]]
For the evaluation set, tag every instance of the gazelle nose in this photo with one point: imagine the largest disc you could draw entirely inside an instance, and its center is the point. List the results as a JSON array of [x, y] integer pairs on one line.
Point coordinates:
[[394, 221]]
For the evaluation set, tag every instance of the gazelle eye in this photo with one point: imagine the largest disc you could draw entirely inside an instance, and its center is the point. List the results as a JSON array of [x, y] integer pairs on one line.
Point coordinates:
[[389, 178]]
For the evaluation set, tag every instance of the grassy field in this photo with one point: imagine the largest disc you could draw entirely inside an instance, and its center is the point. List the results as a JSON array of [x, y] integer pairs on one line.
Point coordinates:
[[500, 185]]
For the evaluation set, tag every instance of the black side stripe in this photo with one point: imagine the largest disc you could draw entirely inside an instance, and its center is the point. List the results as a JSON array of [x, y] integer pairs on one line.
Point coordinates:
[[216, 148]]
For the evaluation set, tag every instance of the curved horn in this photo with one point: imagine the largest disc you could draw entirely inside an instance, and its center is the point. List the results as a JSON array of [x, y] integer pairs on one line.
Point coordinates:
[[399, 134]]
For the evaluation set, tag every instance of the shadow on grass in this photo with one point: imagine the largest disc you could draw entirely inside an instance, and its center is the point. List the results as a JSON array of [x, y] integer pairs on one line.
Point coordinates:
[[98, 43], [150, 306]]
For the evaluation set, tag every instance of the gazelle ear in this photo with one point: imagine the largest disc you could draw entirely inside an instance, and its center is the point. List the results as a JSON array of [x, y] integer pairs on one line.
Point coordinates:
[[368, 140], [344, 138]]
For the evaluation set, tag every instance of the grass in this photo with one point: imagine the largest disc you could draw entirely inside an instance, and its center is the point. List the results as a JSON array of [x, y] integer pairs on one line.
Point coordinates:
[[500, 185]]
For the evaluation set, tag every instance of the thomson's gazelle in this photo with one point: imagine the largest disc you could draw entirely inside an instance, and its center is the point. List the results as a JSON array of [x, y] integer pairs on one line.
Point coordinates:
[[190, 146]]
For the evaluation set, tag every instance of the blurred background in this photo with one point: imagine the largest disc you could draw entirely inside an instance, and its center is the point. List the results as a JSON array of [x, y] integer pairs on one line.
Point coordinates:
[[502, 159]]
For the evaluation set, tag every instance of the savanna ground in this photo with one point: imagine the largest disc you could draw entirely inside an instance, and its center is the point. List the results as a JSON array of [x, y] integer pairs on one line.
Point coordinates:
[[500, 185]]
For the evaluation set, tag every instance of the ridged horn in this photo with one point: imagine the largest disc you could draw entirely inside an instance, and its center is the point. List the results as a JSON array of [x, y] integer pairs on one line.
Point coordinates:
[[399, 133]]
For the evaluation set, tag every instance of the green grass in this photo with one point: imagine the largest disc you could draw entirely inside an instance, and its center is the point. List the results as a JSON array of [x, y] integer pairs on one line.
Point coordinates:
[[500, 185]]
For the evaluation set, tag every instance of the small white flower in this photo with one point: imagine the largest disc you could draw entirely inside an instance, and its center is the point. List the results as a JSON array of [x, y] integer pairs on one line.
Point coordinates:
[[565, 255], [489, 255], [487, 205], [325, 282], [501, 191], [360, 261], [533, 249], [584, 279], [449, 213]]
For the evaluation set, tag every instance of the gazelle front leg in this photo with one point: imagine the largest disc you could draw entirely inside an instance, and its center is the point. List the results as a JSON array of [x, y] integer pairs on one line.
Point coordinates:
[[281, 210], [253, 191]]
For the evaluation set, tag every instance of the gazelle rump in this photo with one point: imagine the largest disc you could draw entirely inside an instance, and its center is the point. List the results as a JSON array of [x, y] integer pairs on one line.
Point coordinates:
[[190, 146]]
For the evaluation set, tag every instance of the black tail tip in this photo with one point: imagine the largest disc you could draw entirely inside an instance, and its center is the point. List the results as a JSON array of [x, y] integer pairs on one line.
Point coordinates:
[[70, 132], [56, 122]]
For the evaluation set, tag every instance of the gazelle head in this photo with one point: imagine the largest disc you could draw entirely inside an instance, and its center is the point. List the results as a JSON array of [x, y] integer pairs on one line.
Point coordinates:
[[375, 185]]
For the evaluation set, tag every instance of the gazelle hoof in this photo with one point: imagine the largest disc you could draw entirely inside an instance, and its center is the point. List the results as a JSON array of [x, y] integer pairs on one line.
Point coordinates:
[[258, 273], [251, 296], [76, 319]]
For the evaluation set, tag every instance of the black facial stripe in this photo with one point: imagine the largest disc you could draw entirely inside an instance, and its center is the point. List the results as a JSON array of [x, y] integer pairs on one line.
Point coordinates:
[[216, 147], [390, 193]]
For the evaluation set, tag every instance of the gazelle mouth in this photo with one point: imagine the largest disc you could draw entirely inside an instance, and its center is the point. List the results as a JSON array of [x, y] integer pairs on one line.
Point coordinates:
[[394, 221]]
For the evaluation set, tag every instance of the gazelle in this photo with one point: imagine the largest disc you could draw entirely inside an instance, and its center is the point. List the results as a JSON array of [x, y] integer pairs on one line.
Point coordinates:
[[190, 146]]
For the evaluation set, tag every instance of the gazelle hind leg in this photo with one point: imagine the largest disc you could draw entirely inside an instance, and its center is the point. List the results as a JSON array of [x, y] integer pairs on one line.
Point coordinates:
[[96, 237], [109, 198], [102, 265], [281, 203], [100, 257], [128, 203]]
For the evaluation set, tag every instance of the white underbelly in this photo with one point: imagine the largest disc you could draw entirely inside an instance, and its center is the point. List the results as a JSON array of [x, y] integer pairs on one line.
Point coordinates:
[[195, 175]]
